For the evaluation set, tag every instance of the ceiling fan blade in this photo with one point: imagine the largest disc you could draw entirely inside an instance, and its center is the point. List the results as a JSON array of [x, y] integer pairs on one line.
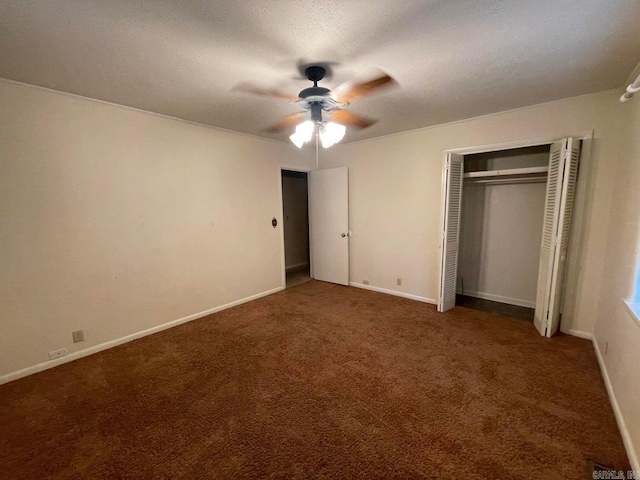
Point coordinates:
[[347, 92], [345, 117], [246, 87], [287, 122]]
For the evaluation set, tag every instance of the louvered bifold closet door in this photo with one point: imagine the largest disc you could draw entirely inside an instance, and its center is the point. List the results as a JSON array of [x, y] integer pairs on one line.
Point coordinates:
[[451, 232], [561, 183], [554, 185], [564, 229]]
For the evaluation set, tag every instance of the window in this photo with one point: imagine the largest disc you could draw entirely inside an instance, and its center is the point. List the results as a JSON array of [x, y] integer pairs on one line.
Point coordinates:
[[633, 304]]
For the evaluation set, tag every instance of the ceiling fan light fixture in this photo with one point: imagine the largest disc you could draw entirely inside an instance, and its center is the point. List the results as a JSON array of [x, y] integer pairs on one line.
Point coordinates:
[[326, 141], [331, 133], [303, 133], [305, 130], [297, 140]]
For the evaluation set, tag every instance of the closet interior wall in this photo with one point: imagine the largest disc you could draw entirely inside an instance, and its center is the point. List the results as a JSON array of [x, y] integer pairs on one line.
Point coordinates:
[[501, 227]]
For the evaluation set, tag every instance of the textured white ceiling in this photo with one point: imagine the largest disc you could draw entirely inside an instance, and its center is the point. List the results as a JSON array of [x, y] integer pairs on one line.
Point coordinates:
[[453, 59]]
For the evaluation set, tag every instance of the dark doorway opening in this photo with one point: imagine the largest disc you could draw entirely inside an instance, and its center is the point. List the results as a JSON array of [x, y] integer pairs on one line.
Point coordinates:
[[295, 209]]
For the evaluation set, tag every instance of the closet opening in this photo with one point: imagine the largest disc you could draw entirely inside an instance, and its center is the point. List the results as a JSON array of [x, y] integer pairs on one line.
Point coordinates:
[[295, 209], [501, 222], [506, 229]]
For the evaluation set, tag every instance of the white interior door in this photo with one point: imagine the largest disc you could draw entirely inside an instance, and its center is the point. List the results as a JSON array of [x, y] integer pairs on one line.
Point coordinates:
[[561, 186], [329, 225], [452, 185]]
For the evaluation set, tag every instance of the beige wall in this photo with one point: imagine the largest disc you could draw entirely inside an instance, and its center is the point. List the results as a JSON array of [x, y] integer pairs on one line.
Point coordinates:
[[500, 236], [617, 332], [395, 196], [115, 221], [296, 219]]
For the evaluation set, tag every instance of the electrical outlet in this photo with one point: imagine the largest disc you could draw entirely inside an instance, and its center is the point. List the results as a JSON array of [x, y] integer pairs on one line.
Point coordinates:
[[365, 282], [78, 336], [57, 353], [606, 347], [399, 282]]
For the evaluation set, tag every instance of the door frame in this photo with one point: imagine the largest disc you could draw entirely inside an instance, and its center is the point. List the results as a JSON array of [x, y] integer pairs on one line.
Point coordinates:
[[283, 273], [584, 181]]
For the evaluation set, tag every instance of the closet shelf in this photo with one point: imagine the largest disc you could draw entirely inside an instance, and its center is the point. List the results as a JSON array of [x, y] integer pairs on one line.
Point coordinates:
[[508, 176], [508, 172]]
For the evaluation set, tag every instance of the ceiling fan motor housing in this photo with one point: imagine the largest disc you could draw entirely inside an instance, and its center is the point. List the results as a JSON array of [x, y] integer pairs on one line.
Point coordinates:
[[315, 73], [313, 92]]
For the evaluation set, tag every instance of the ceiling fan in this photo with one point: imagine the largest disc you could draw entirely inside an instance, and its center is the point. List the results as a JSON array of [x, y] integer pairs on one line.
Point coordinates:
[[317, 100]]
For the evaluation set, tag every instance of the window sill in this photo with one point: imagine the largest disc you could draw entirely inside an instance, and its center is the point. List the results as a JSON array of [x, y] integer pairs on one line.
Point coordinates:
[[634, 309]]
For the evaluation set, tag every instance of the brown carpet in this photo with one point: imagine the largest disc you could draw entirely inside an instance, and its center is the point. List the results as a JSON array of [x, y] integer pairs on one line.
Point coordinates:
[[324, 382]]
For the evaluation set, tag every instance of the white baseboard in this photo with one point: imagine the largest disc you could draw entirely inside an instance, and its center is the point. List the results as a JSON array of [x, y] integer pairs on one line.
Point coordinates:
[[393, 292], [501, 299], [295, 265], [626, 438], [134, 336], [578, 333]]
